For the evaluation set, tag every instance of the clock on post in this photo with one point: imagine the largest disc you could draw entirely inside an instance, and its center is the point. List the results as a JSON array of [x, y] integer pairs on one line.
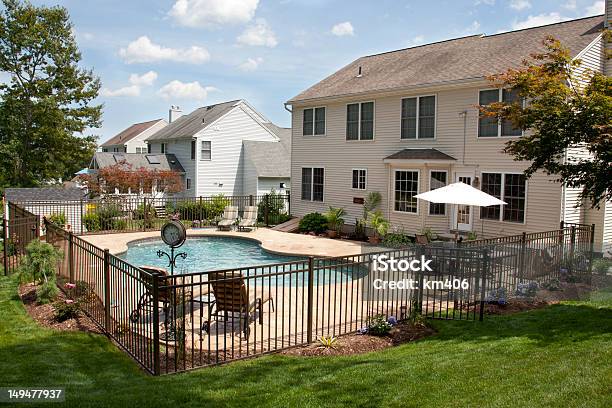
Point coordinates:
[[173, 234]]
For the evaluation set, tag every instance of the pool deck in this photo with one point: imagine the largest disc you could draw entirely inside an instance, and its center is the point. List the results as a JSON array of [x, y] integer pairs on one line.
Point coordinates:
[[274, 241]]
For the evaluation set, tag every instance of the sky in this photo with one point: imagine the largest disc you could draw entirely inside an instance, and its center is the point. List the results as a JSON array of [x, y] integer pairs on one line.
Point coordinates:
[[156, 53]]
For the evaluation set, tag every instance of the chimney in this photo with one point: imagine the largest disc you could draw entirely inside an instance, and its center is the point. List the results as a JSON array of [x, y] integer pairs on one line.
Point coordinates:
[[174, 113]]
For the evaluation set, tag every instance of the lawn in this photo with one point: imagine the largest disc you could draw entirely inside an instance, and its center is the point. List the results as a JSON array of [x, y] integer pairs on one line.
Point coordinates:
[[558, 356]]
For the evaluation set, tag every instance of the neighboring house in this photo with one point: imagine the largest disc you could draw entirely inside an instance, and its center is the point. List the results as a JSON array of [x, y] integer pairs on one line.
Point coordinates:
[[136, 161], [228, 148], [132, 139], [406, 121]]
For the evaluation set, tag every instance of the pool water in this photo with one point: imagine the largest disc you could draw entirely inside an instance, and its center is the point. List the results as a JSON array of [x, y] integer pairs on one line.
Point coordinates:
[[205, 254]]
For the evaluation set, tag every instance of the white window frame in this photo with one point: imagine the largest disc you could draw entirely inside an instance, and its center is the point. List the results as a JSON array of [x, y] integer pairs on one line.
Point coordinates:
[[499, 120], [366, 179], [201, 150], [503, 187], [359, 139], [445, 206], [418, 97], [418, 211], [312, 183], [314, 108]]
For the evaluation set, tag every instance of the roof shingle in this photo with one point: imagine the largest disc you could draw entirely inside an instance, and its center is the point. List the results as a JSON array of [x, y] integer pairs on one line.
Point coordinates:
[[420, 154], [130, 133], [138, 160]]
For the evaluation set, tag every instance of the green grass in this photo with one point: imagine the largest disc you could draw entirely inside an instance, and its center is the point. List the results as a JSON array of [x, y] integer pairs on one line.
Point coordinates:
[[558, 356]]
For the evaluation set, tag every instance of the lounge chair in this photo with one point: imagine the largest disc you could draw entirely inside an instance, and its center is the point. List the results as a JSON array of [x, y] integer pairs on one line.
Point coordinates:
[[145, 302], [249, 219], [230, 214], [232, 296], [421, 239]]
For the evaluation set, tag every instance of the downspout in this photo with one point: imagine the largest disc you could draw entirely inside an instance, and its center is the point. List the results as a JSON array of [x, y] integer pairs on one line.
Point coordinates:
[[286, 108], [464, 115]]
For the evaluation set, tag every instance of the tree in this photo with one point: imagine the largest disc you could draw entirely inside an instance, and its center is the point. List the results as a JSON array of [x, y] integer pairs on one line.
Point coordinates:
[[48, 100], [565, 107]]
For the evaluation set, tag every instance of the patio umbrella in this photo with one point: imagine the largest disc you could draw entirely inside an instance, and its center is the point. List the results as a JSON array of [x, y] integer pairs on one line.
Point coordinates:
[[460, 194]]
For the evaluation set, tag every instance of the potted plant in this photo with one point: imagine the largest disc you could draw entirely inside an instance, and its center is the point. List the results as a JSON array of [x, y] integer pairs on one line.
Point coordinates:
[[334, 221], [379, 224]]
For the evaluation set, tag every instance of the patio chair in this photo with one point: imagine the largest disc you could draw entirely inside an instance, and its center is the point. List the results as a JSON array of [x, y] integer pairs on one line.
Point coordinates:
[[231, 296], [249, 219], [421, 239], [145, 302], [230, 214]]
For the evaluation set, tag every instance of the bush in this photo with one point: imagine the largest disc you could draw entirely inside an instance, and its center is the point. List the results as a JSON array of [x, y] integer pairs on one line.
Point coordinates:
[[58, 219], [313, 222], [140, 212], [119, 224], [397, 239], [205, 209], [497, 296], [276, 207], [91, 222], [47, 292], [378, 325], [66, 309], [527, 289], [40, 262], [602, 265]]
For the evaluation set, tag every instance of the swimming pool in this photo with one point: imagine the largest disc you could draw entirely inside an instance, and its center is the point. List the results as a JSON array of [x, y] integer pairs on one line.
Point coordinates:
[[205, 254]]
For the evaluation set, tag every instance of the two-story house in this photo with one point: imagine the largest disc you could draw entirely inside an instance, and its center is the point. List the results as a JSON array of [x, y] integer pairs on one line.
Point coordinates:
[[227, 148], [132, 139], [407, 121]]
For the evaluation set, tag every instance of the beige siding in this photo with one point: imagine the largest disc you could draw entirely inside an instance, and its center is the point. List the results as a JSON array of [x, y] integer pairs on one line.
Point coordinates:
[[339, 156], [607, 229]]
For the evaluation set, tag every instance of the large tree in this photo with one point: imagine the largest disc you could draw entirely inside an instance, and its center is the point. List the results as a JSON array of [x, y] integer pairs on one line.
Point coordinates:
[[47, 102], [564, 107]]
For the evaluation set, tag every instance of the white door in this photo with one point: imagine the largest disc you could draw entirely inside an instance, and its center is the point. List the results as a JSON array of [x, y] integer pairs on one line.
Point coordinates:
[[463, 213]]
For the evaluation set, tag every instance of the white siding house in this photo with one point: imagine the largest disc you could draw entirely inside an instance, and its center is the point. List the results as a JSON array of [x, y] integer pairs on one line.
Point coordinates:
[[132, 139], [211, 144]]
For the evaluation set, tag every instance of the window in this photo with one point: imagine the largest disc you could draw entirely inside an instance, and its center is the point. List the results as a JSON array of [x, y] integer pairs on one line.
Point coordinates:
[[141, 150], [206, 151], [193, 149], [360, 121], [510, 188], [148, 148], [313, 179], [164, 148], [313, 122], [437, 179], [360, 177], [105, 149], [418, 117], [188, 184], [492, 127], [406, 187]]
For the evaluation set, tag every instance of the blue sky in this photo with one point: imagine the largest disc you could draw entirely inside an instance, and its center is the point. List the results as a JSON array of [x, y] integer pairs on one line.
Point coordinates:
[[155, 53]]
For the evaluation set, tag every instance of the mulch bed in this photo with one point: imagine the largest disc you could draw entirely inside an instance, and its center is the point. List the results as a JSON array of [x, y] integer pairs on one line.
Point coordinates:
[[363, 343], [514, 306], [45, 314]]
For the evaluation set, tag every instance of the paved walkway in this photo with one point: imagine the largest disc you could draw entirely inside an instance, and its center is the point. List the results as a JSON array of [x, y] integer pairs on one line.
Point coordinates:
[[273, 241]]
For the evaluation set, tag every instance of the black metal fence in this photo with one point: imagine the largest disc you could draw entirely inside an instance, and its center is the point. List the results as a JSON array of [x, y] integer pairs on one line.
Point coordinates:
[[124, 214], [19, 228], [176, 323]]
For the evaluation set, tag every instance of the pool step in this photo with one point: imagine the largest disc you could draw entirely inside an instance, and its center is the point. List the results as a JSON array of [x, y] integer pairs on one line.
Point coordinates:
[[290, 226]]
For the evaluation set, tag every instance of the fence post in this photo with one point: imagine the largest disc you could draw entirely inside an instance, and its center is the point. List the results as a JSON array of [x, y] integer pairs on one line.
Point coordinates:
[[5, 244], [155, 290], [200, 208], [251, 200], [145, 209], [107, 324], [522, 256], [288, 203], [81, 213], [267, 209], [562, 224], [591, 249], [38, 232], [310, 299], [572, 248], [70, 257], [483, 289]]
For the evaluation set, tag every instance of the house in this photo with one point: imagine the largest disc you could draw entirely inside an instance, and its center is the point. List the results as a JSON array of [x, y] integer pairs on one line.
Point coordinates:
[[132, 139], [227, 148], [406, 121]]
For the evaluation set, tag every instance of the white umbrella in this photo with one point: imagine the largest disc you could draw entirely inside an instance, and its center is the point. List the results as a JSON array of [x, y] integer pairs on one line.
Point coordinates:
[[460, 194]]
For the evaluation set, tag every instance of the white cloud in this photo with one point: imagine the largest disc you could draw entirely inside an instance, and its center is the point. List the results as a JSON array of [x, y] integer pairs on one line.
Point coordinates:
[[596, 8], [132, 90], [540, 19], [417, 40], [212, 13], [185, 90], [471, 29], [486, 2], [570, 5], [520, 4], [136, 81], [145, 79], [143, 50], [258, 34], [342, 29], [251, 64]]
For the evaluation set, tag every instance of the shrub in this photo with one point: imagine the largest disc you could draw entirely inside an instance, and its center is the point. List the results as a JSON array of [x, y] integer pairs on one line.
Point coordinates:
[[328, 342], [47, 292], [140, 212], [378, 325], [119, 224], [313, 222], [378, 223], [334, 218], [397, 239], [602, 265], [276, 207], [66, 309], [39, 262], [497, 296], [428, 232], [527, 289], [91, 222], [58, 219]]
